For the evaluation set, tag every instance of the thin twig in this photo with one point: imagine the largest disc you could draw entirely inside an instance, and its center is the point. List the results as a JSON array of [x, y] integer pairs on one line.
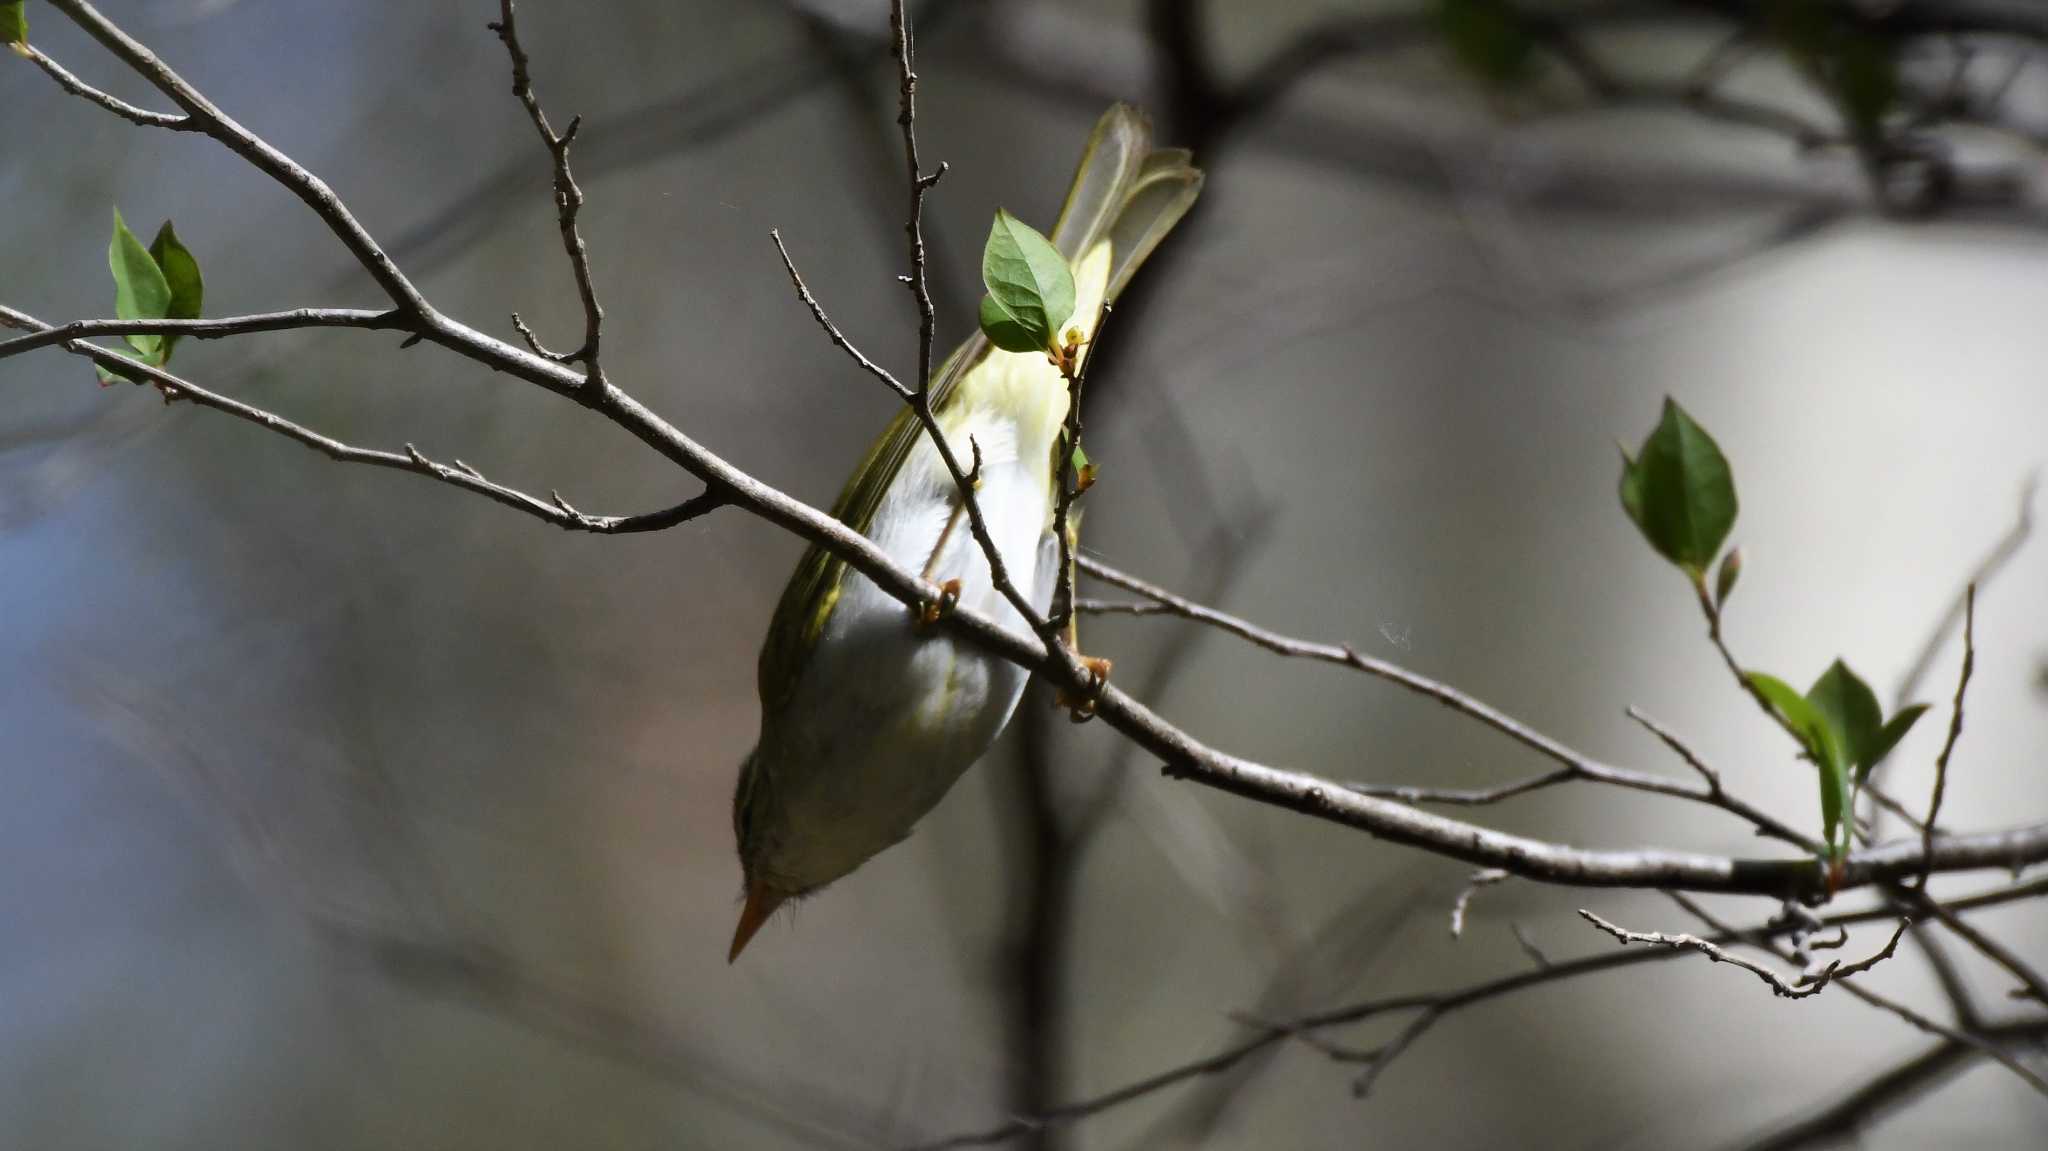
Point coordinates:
[[1068, 476], [1529, 948], [1679, 747], [2032, 984], [410, 460], [1575, 764], [1883, 1002], [532, 341], [111, 103], [1465, 796], [919, 183], [1441, 1003], [1486, 877], [1955, 723], [1798, 988], [43, 336], [568, 202], [1948, 975], [1392, 1049], [1084, 605], [803, 292]]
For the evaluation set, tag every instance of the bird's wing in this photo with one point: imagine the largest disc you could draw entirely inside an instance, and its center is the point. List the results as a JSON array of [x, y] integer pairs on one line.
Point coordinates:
[[813, 591], [1123, 191], [1127, 192]]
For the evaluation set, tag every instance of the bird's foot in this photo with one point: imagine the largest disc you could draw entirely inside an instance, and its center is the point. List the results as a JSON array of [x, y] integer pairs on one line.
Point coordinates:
[[1080, 705], [932, 611]]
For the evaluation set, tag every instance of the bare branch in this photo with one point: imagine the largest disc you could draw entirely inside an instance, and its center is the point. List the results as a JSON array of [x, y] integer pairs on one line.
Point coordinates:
[[920, 183], [568, 201], [111, 103], [411, 460], [1949, 976], [1955, 723], [1575, 764], [1885, 1003], [1440, 1003], [1529, 948], [1086, 606], [1486, 877], [1799, 988], [1074, 367], [1378, 1060], [1678, 746], [803, 292], [539, 349], [1466, 796], [2032, 985], [42, 336]]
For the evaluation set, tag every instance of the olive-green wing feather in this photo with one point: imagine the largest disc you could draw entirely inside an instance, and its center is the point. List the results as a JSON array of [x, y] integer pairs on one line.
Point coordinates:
[[1123, 191], [813, 591]]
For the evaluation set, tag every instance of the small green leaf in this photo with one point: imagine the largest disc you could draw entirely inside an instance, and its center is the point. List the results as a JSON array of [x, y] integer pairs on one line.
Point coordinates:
[[140, 290], [1890, 734], [1679, 491], [1851, 709], [1834, 802], [181, 272], [1724, 579], [1816, 732], [1487, 38], [1793, 708], [1030, 287], [109, 379], [1006, 331], [13, 23]]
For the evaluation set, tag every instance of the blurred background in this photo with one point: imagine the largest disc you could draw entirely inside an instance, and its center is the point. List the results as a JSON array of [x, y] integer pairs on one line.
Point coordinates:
[[346, 810]]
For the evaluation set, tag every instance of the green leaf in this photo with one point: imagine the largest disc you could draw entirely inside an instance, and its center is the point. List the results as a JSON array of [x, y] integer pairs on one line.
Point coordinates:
[[109, 379], [13, 23], [1006, 331], [1488, 39], [1679, 491], [1890, 734], [140, 290], [181, 272], [1030, 287], [1834, 801], [1851, 709], [1816, 733], [1793, 708]]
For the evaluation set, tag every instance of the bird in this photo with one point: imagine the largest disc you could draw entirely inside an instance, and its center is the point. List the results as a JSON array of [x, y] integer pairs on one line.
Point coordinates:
[[868, 719]]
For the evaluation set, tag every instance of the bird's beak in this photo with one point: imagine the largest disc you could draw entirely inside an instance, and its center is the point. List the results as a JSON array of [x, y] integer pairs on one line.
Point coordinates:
[[761, 903]]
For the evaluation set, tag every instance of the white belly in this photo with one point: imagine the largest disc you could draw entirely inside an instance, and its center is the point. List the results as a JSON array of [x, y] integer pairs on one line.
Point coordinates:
[[887, 717]]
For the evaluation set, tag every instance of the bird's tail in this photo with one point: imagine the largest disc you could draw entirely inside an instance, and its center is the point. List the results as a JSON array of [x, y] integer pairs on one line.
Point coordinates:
[[1127, 192]]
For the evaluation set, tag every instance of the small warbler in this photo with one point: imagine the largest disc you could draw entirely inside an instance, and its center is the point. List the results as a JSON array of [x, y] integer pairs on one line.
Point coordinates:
[[866, 719]]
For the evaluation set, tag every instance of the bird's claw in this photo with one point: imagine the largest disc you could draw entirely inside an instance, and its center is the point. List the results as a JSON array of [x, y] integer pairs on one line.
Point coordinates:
[[1080, 706], [932, 611]]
